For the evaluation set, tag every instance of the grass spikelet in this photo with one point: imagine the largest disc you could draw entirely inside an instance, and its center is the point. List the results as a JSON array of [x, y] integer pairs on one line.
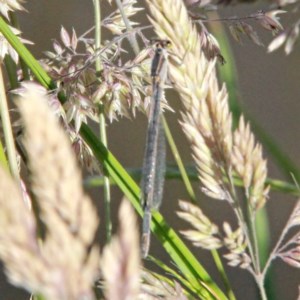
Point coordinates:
[[64, 264], [206, 233], [249, 165], [236, 244], [121, 259]]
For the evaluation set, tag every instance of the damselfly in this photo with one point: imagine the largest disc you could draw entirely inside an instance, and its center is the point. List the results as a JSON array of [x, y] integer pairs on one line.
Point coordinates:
[[155, 152]]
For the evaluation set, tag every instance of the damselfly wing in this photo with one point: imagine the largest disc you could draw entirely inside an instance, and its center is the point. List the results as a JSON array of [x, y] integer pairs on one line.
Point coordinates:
[[155, 153]]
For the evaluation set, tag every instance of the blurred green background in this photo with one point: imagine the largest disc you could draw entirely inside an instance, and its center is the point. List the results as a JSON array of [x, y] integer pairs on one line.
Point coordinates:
[[269, 88]]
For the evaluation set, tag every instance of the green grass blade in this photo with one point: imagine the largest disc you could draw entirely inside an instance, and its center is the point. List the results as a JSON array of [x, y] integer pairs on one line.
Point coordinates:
[[181, 167], [3, 159]]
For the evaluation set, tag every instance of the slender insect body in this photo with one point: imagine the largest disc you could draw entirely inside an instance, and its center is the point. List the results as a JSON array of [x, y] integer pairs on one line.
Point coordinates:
[[154, 158]]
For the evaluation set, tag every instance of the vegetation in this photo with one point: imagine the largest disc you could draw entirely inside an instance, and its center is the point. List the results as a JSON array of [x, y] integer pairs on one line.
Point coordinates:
[[48, 225]]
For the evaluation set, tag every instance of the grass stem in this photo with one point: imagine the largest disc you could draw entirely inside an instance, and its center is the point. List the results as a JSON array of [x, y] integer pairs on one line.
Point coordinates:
[[7, 130], [133, 42], [102, 124]]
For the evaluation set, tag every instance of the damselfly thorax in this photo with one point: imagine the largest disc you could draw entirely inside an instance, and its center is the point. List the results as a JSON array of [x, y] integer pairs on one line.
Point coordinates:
[[159, 67]]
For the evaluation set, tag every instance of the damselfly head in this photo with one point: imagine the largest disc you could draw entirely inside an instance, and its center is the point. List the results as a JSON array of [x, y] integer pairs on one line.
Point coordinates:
[[160, 43]]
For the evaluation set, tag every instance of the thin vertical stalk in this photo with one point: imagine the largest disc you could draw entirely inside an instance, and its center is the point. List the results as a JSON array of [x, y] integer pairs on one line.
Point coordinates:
[[250, 221], [133, 42], [106, 183], [11, 71], [179, 162], [102, 124], [222, 272], [241, 218], [279, 241], [253, 235], [260, 283], [246, 230], [253, 238], [97, 16], [7, 130]]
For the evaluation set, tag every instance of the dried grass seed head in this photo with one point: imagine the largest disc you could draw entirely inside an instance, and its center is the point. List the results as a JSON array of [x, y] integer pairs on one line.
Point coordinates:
[[289, 37], [7, 6], [67, 212], [235, 242], [119, 86], [69, 234], [249, 164], [115, 23], [205, 233], [120, 262], [82, 151], [270, 20], [55, 174]]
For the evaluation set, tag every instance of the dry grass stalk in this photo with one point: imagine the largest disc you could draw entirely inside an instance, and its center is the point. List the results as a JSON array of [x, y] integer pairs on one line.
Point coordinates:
[[120, 263], [64, 265]]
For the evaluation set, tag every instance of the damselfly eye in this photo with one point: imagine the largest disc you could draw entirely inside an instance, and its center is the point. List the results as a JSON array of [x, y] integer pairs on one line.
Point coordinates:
[[168, 44]]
